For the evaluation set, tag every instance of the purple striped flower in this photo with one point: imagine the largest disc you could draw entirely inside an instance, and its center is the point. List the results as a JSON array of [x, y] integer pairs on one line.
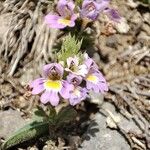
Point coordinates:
[[51, 85], [78, 93], [64, 17], [94, 79], [91, 9]]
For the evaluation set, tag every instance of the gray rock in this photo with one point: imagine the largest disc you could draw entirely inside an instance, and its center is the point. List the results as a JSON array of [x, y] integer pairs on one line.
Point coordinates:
[[99, 137], [10, 121], [112, 41]]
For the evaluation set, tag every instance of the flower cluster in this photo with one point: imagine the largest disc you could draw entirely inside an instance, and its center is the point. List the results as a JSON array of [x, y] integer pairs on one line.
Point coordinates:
[[67, 12], [71, 81]]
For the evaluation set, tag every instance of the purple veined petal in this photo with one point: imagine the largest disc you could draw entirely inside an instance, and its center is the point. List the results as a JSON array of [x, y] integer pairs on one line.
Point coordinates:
[[74, 79], [49, 68], [89, 85], [100, 77], [113, 14], [50, 96], [102, 4], [65, 8], [36, 82], [96, 88], [86, 2], [62, 3], [89, 10], [74, 100], [72, 21], [66, 89], [45, 97], [103, 87], [78, 96], [53, 21], [54, 98], [37, 85], [72, 24], [71, 5]]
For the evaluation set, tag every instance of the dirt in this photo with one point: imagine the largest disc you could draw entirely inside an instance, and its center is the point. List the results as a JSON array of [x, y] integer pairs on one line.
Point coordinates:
[[123, 55]]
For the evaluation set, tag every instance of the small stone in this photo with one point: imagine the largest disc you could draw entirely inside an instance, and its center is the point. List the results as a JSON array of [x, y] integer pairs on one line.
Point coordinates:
[[146, 28], [10, 121], [112, 41], [132, 4], [122, 26], [146, 18]]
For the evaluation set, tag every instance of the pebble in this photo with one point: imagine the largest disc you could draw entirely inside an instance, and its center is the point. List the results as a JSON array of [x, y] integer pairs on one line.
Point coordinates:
[[10, 121]]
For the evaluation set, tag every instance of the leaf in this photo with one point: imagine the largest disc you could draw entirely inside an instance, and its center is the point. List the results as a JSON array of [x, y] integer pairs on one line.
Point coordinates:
[[52, 112], [32, 130], [65, 115], [69, 48], [39, 114], [146, 1], [79, 2]]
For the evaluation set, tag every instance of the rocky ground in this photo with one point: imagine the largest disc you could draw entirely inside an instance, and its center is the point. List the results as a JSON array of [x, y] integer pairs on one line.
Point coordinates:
[[118, 121]]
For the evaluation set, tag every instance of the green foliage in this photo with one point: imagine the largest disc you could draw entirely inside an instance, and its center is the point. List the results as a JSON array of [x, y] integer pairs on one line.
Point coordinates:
[[42, 121], [39, 114], [78, 2], [145, 1], [65, 115], [69, 48], [32, 130]]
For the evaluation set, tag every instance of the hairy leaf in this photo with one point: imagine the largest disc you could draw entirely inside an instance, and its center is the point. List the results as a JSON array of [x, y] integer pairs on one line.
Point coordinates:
[[69, 48], [65, 115], [32, 130]]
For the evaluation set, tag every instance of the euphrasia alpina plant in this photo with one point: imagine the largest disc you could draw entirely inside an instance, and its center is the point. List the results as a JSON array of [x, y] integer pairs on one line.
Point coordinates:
[[66, 82], [68, 11], [69, 80]]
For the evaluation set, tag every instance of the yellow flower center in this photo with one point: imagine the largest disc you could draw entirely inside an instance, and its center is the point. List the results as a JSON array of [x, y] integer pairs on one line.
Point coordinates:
[[53, 85], [64, 21], [92, 78]]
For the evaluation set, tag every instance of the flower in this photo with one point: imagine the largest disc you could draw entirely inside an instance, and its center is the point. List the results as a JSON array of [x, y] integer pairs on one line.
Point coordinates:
[[51, 84], [89, 62], [74, 67], [78, 93], [94, 78], [64, 17], [91, 8], [95, 81]]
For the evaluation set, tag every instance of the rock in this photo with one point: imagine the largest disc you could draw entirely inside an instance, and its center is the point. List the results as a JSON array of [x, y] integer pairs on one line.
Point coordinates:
[[96, 98], [99, 137], [122, 26], [146, 17], [132, 4], [146, 28], [10, 121], [143, 37], [112, 41]]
